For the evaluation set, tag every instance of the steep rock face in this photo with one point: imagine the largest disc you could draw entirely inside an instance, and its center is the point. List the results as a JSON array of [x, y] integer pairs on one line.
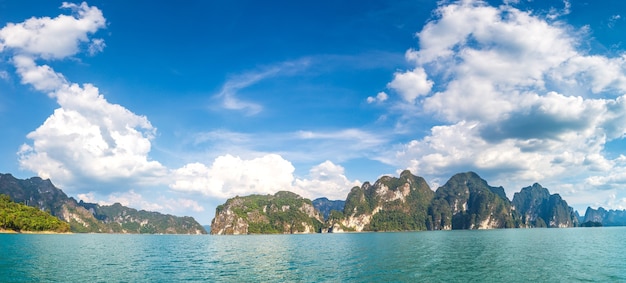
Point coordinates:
[[467, 202], [606, 217], [391, 204], [325, 206], [595, 215], [529, 202], [282, 213], [93, 218], [538, 208]]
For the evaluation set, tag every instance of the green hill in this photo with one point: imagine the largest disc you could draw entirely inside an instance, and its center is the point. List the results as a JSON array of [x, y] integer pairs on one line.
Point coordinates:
[[90, 217], [19, 217]]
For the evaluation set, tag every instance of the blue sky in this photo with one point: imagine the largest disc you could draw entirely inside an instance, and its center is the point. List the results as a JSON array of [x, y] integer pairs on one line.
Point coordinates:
[[176, 107]]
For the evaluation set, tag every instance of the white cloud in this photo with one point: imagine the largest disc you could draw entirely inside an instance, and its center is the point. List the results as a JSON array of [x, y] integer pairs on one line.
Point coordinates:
[[555, 13], [96, 46], [87, 138], [42, 78], [53, 38], [380, 97], [229, 92], [516, 100], [228, 176], [411, 84], [326, 180], [302, 146]]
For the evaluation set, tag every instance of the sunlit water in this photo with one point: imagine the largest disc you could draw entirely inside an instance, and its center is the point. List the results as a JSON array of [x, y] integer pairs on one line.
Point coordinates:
[[516, 255]]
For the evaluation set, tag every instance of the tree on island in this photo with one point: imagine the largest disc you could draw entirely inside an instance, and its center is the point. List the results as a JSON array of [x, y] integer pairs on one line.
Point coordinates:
[[19, 217]]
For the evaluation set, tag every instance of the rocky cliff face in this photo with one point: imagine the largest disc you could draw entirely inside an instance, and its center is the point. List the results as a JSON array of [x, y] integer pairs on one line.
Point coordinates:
[[282, 213], [406, 203], [467, 202], [538, 208], [93, 218], [605, 217], [391, 204]]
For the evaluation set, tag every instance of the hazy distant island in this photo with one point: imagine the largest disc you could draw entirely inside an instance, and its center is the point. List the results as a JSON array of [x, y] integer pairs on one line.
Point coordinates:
[[81, 217], [407, 203]]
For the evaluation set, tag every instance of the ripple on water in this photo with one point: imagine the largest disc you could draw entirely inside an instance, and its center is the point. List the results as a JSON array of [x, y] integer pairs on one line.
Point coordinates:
[[517, 255]]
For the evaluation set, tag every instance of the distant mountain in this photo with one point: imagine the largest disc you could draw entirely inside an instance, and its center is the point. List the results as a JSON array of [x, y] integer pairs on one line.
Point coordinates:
[[466, 201], [325, 206], [538, 208], [605, 217], [281, 213], [89, 217]]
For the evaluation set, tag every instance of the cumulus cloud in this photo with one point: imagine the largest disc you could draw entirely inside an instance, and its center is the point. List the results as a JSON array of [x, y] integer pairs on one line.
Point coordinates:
[[53, 38], [380, 97], [411, 84], [229, 175], [87, 138], [515, 97], [326, 180]]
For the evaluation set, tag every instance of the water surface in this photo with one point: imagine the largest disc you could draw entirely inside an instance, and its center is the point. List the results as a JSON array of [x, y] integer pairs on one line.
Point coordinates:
[[512, 255]]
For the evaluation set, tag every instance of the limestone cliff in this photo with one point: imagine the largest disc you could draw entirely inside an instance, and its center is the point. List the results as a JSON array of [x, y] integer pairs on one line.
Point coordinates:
[[281, 213], [467, 202], [391, 204], [605, 217], [538, 208]]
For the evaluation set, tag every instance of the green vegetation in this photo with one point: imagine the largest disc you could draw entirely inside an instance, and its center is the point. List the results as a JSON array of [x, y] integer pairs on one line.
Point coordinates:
[[538, 208], [90, 217], [406, 203], [408, 213], [272, 214], [393, 221], [20, 217], [466, 201]]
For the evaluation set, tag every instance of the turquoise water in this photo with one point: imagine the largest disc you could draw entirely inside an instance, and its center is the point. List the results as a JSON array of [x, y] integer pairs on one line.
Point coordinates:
[[516, 255]]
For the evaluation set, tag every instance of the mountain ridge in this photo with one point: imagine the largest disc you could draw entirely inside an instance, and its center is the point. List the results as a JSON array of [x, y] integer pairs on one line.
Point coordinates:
[[93, 218], [407, 203]]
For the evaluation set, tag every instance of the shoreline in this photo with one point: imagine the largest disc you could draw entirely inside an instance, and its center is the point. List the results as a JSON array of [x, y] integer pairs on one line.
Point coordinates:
[[3, 231]]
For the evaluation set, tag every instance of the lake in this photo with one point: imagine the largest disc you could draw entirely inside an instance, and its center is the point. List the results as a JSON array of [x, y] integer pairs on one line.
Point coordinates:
[[512, 255]]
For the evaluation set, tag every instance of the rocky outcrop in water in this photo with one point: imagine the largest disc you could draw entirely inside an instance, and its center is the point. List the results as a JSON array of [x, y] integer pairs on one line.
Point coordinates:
[[90, 217], [406, 203], [605, 217], [391, 204], [538, 208], [467, 202], [281, 213]]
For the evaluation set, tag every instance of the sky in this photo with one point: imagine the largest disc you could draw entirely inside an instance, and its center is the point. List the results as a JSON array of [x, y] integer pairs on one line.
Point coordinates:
[[177, 106]]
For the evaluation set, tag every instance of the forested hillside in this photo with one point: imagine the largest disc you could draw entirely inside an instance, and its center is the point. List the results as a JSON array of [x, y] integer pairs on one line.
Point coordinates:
[[19, 217]]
